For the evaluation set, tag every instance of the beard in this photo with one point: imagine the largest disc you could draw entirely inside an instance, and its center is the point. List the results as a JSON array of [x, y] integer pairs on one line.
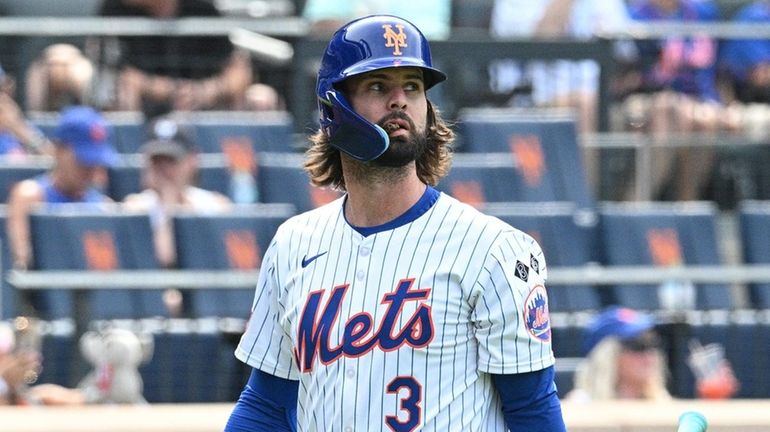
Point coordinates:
[[402, 150]]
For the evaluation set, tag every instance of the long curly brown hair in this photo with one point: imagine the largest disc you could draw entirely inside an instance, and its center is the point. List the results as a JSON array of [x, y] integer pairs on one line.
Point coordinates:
[[324, 164]]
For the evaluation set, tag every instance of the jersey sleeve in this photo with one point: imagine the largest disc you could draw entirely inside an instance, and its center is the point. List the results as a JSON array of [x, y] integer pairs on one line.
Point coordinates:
[[265, 345], [510, 314]]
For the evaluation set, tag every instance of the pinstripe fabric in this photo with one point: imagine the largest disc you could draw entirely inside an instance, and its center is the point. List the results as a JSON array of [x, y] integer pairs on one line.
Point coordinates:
[[437, 302]]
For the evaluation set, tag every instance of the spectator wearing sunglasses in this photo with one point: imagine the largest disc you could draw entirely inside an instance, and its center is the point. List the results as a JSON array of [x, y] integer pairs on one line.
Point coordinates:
[[623, 359]]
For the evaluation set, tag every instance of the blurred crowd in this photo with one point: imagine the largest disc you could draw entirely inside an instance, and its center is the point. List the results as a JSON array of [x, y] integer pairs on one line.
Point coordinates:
[[662, 87]]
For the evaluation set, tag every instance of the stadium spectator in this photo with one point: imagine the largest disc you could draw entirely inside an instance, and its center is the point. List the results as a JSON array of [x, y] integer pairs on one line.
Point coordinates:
[[62, 76], [16, 367], [747, 62], [433, 17], [81, 152], [170, 171], [561, 83], [19, 368], [17, 136], [159, 74], [262, 97], [673, 91], [625, 360]]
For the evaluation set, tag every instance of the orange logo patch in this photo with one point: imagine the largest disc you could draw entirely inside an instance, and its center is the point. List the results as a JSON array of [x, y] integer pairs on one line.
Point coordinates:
[[239, 153], [529, 157], [242, 250], [320, 196], [664, 246], [469, 192], [99, 249]]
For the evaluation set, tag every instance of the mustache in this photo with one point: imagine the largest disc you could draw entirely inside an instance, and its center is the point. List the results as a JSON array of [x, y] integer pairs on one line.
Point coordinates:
[[396, 115]]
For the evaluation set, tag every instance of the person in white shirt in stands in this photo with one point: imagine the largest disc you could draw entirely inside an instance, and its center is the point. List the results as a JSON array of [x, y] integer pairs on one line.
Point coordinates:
[[171, 166]]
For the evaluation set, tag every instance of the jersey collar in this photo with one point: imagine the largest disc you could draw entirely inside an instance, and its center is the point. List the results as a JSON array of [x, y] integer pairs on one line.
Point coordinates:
[[426, 201]]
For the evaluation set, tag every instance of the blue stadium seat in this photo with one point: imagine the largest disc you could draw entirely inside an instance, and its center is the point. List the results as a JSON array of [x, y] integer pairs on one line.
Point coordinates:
[[479, 178], [265, 131], [125, 177], [60, 352], [544, 146], [281, 179], [664, 234], [73, 238], [180, 370], [566, 236], [754, 222], [234, 240]]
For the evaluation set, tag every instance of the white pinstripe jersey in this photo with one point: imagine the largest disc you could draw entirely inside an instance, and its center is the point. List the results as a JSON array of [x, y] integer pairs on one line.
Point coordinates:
[[399, 330]]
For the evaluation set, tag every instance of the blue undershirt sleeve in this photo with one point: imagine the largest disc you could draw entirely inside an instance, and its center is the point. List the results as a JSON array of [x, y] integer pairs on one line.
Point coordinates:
[[266, 403], [530, 402]]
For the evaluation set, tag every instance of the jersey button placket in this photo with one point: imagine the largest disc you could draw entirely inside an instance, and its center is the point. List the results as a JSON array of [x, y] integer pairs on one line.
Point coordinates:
[[364, 252]]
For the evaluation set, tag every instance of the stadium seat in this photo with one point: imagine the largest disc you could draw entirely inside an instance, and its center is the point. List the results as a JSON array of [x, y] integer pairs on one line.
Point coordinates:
[[566, 236], [754, 223], [264, 131], [480, 178], [59, 349], [235, 240], [662, 234], [125, 177], [69, 237], [543, 146], [281, 179], [180, 370]]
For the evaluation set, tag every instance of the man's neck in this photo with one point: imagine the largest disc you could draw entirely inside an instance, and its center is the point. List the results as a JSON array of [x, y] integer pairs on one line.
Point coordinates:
[[377, 195]]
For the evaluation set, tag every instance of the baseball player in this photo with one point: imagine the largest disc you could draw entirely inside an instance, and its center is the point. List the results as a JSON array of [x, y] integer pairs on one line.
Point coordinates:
[[396, 307]]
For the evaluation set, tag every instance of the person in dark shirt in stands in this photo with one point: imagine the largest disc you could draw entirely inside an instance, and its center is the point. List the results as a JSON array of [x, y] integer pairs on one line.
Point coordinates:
[[163, 73]]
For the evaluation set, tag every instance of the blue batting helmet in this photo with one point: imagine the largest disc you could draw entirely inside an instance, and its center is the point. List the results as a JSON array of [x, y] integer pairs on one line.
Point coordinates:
[[364, 45]]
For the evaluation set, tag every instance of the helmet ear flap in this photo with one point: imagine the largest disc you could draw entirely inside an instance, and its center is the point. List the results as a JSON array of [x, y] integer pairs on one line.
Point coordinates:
[[351, 133]]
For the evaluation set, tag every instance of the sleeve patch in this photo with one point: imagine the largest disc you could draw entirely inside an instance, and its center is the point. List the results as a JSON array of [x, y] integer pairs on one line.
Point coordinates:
[[534, 264], [536, 317], [521, 271]]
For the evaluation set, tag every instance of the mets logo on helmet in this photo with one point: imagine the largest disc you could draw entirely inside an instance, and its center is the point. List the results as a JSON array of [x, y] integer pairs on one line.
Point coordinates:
[[394, 40]]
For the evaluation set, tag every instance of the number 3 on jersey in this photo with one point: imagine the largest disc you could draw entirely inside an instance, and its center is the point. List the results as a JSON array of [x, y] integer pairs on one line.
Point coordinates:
[[409, 404]]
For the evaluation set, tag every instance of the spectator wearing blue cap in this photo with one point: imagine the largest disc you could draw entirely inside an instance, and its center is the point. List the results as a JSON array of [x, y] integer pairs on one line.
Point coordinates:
[[81, 152], [623, 359]]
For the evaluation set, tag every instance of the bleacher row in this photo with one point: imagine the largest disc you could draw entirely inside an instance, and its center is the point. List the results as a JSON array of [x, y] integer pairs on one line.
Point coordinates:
[[522, 168]]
